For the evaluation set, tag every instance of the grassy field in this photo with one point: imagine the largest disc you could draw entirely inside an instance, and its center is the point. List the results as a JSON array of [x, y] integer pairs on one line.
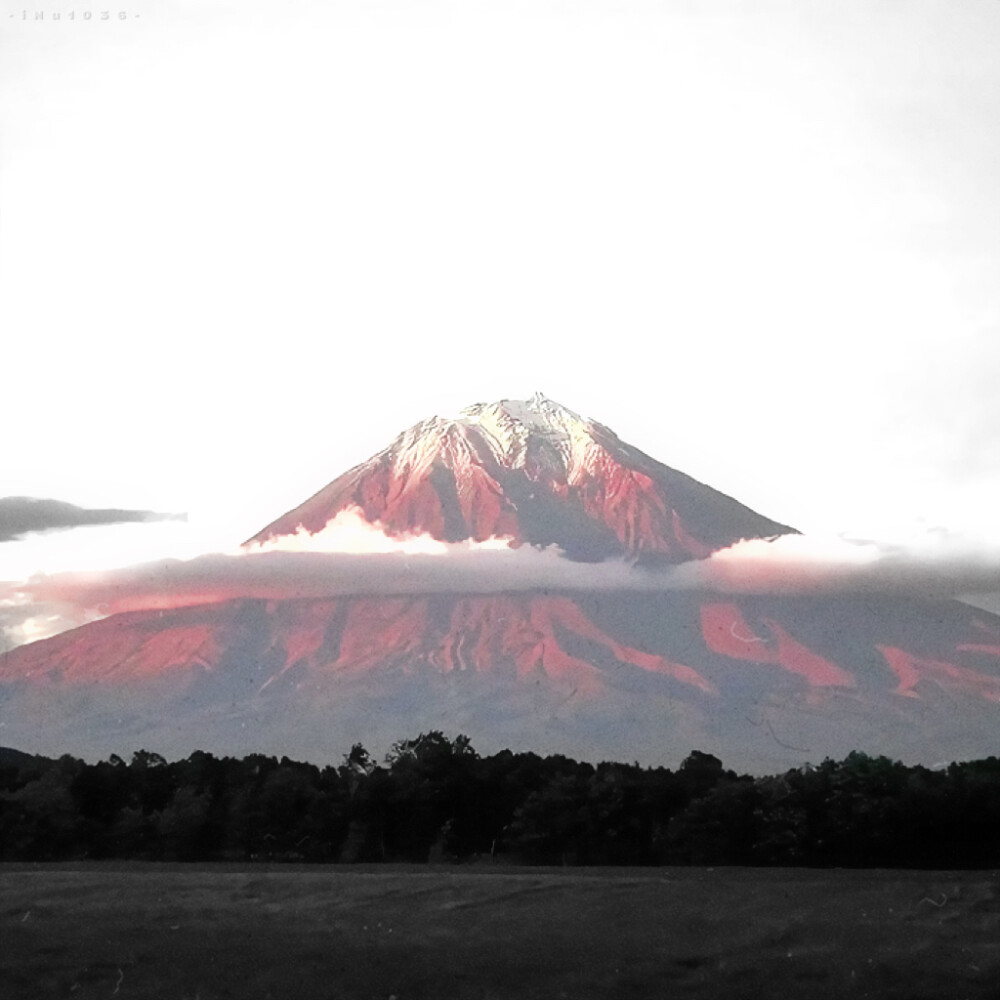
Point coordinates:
[[200, 933]]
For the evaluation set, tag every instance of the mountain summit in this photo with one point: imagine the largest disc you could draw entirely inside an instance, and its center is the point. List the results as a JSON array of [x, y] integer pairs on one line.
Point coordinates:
[[534, 472]]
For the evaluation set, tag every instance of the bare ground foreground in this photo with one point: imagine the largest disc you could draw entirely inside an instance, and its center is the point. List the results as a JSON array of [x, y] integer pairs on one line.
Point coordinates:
[[199, 933]]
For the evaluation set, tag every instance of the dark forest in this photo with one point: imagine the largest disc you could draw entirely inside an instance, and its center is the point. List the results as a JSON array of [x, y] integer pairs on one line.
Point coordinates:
[[434, 799]]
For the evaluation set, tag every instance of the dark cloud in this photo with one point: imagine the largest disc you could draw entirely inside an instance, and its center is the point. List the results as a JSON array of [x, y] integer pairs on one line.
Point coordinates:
[[22, 515]]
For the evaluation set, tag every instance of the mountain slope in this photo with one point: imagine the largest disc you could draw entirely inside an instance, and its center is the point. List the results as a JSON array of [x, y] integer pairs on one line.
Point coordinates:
[[763, 682]]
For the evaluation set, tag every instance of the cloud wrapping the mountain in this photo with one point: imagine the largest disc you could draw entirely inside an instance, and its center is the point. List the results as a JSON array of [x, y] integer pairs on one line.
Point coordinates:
[[20, 516], [934, 566], [354, 557], [789, 564], [280, 575], [350, 532]]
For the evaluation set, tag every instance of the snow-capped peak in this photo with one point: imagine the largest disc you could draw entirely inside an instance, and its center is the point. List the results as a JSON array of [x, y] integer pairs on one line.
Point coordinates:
[[507, 425], [532, 471], [539, 413]]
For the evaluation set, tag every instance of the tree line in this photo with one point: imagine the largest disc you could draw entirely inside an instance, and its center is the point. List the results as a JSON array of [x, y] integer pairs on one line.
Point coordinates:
[[435, 799]]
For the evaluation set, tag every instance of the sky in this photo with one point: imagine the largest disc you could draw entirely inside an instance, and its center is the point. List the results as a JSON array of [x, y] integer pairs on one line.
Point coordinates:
[[244, 245]]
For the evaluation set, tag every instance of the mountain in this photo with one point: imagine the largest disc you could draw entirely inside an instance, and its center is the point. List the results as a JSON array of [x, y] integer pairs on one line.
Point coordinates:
[[763, 681], [533, 472]]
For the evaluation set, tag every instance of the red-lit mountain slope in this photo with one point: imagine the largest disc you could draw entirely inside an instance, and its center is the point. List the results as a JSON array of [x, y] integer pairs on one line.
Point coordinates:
[[536, 472], [765, 682]]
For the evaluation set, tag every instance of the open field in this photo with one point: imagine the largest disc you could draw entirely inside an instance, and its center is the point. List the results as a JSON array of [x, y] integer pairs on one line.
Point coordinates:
[[185, 932]]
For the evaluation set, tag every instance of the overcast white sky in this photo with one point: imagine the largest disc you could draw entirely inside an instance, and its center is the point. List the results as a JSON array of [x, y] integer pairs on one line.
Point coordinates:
[[244, 244]]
